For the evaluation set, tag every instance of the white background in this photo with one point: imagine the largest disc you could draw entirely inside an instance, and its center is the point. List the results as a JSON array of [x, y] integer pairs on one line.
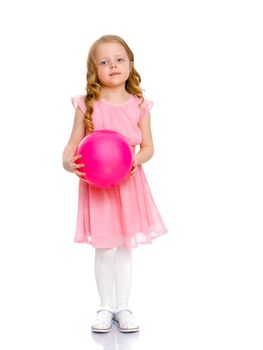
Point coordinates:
[[199, 286]]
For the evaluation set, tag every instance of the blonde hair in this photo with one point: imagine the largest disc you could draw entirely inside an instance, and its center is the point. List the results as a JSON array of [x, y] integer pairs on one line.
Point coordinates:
[[93, 86]]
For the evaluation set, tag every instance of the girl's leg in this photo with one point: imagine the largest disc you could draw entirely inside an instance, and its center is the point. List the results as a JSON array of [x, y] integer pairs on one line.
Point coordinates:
[[104, 273], [123, 279]]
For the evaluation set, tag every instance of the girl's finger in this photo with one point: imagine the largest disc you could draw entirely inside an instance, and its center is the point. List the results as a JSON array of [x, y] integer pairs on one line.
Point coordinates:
[[76, 157], [79, 166], [79, 173], [75, 165], [133, 171]]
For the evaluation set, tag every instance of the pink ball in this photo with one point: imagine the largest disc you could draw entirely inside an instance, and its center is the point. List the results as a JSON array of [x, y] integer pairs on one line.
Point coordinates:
[[107, 156]]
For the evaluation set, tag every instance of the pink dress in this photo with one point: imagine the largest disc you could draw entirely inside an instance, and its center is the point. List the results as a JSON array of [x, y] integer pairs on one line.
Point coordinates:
[[125, 215]]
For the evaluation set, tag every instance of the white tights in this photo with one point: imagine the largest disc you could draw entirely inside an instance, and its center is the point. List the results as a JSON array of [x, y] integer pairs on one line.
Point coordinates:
[[113, 272]]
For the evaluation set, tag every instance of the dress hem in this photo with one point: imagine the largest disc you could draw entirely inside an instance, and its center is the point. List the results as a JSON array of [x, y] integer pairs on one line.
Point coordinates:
[[149, 241]]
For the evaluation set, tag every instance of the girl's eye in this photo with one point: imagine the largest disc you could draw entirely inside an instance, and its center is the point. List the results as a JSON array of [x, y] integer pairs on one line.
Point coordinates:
[[120, 59], [103, 63]]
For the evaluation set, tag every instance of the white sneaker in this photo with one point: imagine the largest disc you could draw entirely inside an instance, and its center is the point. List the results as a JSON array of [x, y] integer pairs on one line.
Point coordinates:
[[103, 321], [125, 321]]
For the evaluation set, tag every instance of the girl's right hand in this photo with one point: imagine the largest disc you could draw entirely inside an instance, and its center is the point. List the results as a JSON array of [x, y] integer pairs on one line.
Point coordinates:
[[70, 165]]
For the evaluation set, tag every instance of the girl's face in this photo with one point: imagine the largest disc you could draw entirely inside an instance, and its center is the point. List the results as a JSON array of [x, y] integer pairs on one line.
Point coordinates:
[[113, 64]]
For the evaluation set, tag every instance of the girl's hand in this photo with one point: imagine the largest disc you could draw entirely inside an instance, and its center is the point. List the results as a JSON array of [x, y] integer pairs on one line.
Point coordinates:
[[70, 165], [134, 166]]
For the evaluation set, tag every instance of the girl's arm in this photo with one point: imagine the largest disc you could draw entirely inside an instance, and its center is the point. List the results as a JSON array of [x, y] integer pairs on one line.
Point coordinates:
[[77, 134], [146, 147]]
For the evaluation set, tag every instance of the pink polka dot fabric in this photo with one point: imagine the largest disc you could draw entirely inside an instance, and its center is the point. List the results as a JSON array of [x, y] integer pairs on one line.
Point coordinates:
[[125, 215]]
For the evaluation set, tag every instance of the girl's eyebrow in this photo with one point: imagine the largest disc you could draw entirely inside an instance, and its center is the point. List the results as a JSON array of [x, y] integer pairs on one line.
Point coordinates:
[[106, 57]]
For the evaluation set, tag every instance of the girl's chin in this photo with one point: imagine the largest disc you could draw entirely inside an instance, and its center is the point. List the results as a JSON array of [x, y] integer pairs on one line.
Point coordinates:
[[113, 84]]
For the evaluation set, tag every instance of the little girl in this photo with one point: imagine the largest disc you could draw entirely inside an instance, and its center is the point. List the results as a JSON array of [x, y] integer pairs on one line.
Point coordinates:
[[116, 219]]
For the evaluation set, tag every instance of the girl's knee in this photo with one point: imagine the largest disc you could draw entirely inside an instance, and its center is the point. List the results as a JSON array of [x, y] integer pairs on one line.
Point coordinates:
[[105, 253]]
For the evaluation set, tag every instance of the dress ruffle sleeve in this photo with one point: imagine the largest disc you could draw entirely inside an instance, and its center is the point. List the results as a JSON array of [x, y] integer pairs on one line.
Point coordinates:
[[79, 101], [146, 106]]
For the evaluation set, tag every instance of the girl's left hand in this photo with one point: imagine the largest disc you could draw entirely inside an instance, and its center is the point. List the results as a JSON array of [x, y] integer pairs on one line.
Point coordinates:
[[134, 166]]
